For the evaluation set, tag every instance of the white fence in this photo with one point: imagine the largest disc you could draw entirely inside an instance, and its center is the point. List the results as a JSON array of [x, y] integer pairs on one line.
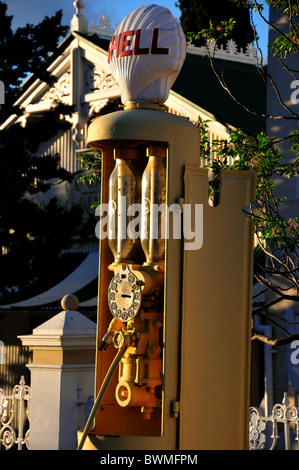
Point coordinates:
[[283, 424], [15, 417], [264, 431]]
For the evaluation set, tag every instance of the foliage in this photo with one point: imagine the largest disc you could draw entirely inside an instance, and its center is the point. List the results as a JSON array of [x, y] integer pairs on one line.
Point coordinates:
[[213, 19], [286, 42], [31, 235], [214, 32], [277, 237], [91, 163], [277, 234], [34, 242], [24, 51]]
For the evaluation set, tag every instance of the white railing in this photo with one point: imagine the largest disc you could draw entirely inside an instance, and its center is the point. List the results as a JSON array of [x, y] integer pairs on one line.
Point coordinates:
[[265, 431], [230, 51], [14, 413]]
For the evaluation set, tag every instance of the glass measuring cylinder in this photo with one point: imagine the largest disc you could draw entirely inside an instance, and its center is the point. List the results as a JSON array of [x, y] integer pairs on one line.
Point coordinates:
[[124, 191], [153, 206]]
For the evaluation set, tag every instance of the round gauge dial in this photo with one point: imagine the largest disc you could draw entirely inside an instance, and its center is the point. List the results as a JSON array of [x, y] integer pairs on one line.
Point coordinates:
[[124, 295]]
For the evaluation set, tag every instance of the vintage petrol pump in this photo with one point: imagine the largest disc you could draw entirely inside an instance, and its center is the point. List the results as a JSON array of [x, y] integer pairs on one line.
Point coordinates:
[[143, 235]]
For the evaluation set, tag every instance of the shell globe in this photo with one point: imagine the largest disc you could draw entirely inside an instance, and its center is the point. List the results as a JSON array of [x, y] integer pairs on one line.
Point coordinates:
[[146, 54]]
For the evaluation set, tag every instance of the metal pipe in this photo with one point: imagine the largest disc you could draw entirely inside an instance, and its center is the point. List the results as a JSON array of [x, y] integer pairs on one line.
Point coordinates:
[[101, 393]]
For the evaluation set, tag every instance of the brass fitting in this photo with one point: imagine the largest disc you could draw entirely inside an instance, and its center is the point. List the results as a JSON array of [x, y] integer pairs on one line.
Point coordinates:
[[131, 394], [114, 326]]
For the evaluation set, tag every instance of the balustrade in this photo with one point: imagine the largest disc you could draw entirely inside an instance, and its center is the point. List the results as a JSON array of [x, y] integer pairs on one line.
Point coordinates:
[[15, 417]]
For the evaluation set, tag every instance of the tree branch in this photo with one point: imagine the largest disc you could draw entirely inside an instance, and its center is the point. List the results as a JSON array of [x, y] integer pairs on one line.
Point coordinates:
[[266, 306], [250, 111], [275, 290], [274, 26], [274, 342]]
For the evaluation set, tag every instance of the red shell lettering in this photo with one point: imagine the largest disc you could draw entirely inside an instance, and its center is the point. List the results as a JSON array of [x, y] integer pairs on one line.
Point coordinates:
[[119, 47]]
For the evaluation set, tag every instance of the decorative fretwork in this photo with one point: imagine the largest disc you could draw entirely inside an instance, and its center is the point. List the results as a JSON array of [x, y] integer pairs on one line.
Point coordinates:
[[103, 28], [98, 80], [60, 90], [230, 52], [14, 412]]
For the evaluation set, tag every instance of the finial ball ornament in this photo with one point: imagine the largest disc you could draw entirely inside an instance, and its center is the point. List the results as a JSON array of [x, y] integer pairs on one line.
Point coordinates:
[[70, 302]]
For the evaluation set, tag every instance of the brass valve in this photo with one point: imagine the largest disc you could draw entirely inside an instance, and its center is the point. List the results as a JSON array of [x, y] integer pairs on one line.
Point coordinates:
[[114, 326]]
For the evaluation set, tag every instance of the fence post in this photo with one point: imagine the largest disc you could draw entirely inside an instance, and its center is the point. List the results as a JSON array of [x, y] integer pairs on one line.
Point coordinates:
[[63, 357]]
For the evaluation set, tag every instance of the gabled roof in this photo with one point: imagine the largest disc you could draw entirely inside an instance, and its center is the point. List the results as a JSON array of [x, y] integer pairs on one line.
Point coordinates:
[[198, 84], [52, 57]]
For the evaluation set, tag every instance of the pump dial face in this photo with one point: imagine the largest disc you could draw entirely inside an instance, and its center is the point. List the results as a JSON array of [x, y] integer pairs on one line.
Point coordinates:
[[124, 295]]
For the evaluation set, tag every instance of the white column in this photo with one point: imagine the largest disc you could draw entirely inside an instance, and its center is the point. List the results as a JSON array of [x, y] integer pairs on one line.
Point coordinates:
[[63, 362]]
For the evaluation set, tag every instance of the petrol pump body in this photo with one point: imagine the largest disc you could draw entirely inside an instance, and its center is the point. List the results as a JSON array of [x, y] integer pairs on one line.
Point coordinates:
[[141, 129], [156, 304]]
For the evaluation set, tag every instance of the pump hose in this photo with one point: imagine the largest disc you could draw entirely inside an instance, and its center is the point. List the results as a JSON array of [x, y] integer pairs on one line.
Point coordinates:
[[101, 393]]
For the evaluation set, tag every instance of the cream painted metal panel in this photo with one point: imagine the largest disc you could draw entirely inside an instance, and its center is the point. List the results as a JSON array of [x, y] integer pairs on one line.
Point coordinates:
[[216, 319], [182, 139]]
